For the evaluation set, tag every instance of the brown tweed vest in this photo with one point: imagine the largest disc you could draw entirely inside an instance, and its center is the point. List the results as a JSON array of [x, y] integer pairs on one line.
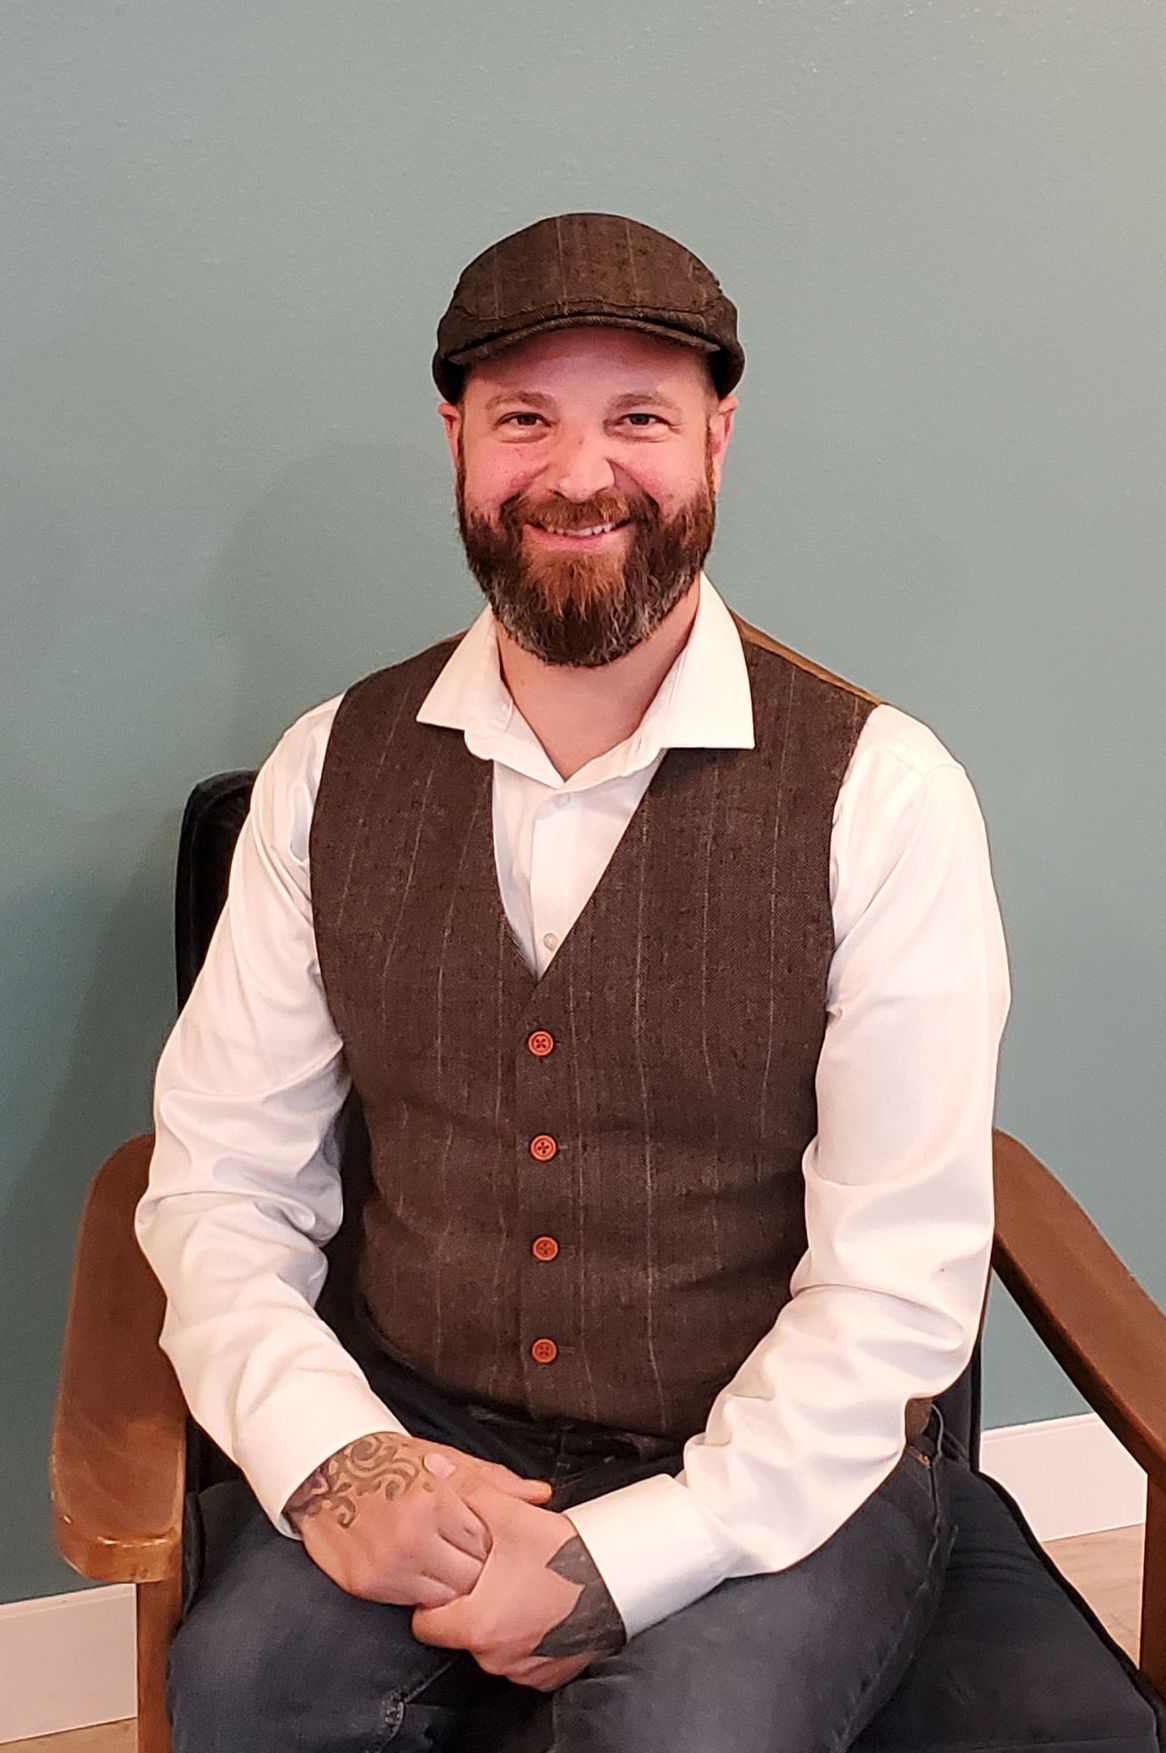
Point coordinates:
[[588, 1192]]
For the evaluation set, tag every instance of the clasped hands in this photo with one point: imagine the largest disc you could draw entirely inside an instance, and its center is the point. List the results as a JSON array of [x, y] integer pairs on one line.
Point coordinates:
[[464, 1542]]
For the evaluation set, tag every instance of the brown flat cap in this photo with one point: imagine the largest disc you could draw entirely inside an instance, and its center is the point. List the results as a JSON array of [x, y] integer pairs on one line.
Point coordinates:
[[585, 269]]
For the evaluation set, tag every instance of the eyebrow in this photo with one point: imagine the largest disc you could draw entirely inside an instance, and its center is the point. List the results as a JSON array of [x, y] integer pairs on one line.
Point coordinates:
[[629, 399]]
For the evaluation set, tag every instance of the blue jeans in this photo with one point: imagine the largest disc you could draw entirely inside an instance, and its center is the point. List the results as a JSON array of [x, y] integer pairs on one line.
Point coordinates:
[[273, 1657]]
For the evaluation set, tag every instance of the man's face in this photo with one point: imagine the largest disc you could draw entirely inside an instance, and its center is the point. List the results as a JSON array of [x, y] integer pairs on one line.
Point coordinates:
[[588, 462]]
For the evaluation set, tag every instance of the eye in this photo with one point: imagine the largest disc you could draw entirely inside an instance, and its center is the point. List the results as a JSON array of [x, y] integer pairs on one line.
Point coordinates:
[[642, 417], [525, 415]]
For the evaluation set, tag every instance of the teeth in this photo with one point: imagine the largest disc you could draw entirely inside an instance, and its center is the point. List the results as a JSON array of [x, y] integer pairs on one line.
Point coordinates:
[[598, 529]]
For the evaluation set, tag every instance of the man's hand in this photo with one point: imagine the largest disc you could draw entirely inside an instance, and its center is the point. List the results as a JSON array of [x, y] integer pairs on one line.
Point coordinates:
[[539, 1612], [388, 1517]]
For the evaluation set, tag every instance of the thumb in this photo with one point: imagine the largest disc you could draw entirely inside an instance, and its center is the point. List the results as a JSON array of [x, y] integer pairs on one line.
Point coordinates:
[[531, 1490]]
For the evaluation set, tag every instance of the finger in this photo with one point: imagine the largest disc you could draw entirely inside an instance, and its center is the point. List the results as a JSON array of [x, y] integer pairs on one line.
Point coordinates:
[[440, 1465], [542, 1675], [503, 1479], [462, 1528], [432, 1593], [536, 1490], [495, 1503], [469, 1540], [532, 1674], [449, 1565], [439, 1626]]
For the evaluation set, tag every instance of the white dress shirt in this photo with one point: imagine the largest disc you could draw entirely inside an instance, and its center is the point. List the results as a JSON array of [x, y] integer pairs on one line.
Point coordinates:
[[244, 1187]]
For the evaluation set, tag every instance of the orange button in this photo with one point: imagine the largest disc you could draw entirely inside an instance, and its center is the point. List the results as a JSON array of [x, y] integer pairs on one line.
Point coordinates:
[[540, 1043], [544, 1247], [543, 1148], [544, 1351]]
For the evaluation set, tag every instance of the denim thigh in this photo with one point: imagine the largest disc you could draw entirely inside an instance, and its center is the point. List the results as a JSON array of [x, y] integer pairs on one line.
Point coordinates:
[[274, 1657], [793, 1662]]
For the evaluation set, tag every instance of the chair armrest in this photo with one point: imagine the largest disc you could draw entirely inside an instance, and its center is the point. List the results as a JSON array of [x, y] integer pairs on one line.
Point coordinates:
[[1108, 1336], [117, 1462], [1103, 1329]]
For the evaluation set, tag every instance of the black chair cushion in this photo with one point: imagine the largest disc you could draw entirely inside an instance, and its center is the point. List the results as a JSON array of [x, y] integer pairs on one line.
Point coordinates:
[[1015, 1659]]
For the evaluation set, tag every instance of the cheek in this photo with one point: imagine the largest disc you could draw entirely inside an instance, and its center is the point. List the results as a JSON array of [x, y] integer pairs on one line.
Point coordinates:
[[668, 482], [661, 487], [494, 480]]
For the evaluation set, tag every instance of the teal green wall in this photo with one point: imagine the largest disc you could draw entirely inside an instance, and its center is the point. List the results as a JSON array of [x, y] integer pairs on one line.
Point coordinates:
[[227, 232]]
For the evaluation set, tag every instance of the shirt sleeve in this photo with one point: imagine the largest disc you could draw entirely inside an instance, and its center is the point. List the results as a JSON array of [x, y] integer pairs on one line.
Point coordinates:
[[244, 1187], [887, 1299]]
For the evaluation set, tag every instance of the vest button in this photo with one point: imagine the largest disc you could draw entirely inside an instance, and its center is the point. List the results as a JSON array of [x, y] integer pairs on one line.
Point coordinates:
[[544, 1351], [543, 1148], [540, 1043], [544, 1247]]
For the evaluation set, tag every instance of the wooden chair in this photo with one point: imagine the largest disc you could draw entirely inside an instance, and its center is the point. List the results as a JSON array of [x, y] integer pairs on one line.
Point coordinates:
[[127, 1461]]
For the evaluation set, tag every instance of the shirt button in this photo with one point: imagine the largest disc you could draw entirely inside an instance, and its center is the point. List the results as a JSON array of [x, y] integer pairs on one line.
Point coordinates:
[[544, 1247], [544, 1351], [563, 799], [541, 1043], [550, 940], [543, 1148]]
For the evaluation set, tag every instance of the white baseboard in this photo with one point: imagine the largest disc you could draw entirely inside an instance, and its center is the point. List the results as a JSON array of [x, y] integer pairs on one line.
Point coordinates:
[[67, 1661], [1069, 1475]]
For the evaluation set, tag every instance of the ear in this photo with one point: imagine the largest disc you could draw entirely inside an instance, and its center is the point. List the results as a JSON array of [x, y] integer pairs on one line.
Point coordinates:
[[451, 414], [720, 431]]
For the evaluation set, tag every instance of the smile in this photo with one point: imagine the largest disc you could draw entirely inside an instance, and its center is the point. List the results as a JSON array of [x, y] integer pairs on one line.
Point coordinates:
[[592, 533]]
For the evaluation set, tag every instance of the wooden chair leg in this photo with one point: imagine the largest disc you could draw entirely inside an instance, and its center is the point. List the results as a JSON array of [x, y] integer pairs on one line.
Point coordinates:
[[1152, 1658], [159, 1612]]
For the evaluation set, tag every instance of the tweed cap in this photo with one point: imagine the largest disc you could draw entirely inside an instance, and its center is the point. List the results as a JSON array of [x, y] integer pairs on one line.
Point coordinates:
[[590, 270]]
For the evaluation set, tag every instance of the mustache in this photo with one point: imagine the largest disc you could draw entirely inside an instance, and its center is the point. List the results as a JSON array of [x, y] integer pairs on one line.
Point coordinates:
[[561, 517]]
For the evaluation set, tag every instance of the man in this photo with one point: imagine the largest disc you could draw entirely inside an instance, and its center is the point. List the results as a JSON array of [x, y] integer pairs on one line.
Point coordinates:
[[670, 975]]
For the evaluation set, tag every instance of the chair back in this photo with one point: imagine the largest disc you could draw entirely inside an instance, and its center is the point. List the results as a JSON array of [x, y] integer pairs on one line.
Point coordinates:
[[214, 814]]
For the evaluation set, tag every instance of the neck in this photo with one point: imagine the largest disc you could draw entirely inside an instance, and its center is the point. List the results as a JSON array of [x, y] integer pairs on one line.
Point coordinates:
[[577, 714]]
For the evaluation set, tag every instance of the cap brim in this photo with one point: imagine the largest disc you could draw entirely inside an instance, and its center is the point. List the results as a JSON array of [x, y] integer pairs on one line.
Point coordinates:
[[486, 349]]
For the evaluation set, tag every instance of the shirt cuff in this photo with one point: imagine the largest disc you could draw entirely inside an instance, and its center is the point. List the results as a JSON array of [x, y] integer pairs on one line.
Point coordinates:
[[286, 1441], [653, 1547]]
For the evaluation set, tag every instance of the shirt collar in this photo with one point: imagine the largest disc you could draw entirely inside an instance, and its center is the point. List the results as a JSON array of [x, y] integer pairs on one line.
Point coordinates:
[[704, 701]]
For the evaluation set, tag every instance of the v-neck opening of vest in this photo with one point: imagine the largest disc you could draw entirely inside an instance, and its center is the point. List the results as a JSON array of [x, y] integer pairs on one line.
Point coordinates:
[[535, 979]]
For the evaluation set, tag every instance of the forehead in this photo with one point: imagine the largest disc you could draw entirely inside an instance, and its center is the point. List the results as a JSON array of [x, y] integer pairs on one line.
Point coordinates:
[[589, 360]]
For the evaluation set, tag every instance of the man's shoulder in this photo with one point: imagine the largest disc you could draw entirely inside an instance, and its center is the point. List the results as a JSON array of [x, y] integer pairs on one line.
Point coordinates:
[[763, 647], [300, 750], [386, 690], [887, 731], [891, 734]]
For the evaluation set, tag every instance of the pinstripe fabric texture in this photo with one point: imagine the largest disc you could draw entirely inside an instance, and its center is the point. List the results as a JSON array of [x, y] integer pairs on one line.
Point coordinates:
[[687, 1006]]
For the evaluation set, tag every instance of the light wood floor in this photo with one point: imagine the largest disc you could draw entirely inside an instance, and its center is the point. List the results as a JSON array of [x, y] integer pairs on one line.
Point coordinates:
[[1105, 1568]]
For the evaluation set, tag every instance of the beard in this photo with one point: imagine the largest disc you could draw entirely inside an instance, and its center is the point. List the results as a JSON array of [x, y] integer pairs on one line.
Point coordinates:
[[587, 610]]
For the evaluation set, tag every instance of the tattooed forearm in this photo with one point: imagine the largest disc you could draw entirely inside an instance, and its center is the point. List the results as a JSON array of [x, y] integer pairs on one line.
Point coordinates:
[[385, 1463], [593, 1623]]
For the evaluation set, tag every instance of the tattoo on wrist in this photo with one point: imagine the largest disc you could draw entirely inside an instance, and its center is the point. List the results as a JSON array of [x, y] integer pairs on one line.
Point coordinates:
[[593, 1624], [385, 1463]]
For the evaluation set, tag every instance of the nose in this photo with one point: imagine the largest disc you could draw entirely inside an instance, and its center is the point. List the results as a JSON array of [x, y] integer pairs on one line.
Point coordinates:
[[580, 467]]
